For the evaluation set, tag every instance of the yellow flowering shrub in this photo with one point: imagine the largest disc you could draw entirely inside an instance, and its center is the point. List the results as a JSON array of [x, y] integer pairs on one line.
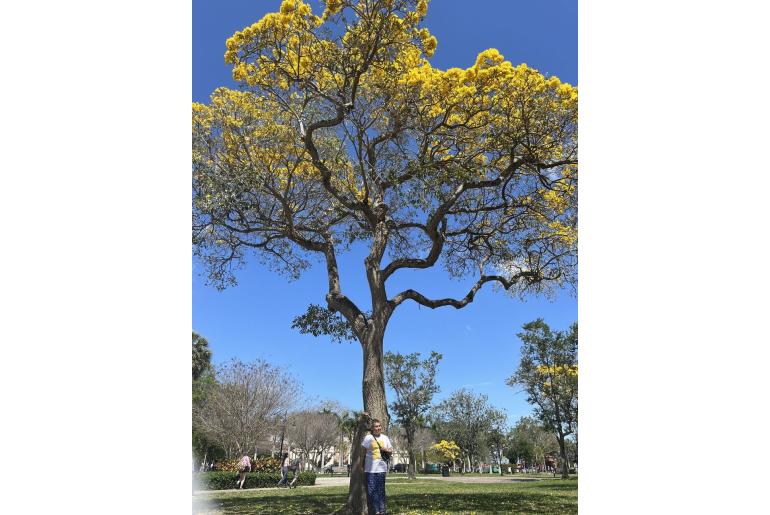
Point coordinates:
[[444, 452]]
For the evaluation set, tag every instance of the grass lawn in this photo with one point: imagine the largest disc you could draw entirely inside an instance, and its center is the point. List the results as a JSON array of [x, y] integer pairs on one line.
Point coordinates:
[[423, 496], [539, 475]]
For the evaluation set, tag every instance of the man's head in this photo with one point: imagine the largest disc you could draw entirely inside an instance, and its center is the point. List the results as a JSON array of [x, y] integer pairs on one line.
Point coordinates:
[[376, 427]]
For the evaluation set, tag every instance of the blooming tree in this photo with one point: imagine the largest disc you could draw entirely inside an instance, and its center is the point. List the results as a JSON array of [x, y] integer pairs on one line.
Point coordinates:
[[343, 132], [548, 372], [444, 452]]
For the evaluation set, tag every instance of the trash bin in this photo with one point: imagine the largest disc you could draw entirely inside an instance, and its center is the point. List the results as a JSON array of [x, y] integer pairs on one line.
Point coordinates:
[[445, 471]]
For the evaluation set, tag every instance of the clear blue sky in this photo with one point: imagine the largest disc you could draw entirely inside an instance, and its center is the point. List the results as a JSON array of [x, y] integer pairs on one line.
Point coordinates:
[[478, 342]]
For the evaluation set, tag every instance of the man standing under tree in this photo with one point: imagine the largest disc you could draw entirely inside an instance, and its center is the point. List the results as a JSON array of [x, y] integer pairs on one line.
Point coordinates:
[[378, 451]]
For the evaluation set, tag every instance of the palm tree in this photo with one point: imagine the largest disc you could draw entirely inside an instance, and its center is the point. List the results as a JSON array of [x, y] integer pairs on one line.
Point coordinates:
[[347, 422], [201, 355]]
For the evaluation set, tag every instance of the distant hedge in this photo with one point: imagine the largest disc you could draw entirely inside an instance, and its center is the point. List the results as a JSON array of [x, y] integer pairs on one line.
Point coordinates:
[[262, 464], [221, 480]]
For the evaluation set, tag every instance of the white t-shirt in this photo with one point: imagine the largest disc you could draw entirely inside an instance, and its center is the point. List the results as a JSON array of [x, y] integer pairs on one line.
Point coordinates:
[[373, 461]]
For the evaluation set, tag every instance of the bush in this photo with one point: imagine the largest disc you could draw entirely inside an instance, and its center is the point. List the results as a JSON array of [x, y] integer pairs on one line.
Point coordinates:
[[266, 464], [219, 480], [227, 465], [261, 464]]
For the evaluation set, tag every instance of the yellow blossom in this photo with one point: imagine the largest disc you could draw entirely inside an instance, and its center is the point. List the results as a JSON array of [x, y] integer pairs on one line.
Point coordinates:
[[422, 8]]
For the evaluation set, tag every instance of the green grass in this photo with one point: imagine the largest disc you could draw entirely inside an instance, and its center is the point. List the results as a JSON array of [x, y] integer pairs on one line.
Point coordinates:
[[539, 475], [416, 497]]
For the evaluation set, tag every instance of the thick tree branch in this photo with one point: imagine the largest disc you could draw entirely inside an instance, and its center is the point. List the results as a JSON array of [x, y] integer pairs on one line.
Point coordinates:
[[437, 237], [326, 175], [458, 303], [335, 300]]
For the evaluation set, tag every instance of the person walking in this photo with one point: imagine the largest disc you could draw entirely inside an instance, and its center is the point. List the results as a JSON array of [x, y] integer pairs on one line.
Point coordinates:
[[284, 470], [296, 467], [244, 466], [378, 452]]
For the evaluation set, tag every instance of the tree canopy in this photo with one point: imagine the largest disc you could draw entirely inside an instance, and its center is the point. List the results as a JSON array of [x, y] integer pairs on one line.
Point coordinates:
[[343, 131]]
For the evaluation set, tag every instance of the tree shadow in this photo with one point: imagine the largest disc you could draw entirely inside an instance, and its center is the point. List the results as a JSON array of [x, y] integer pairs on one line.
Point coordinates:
[[488, 502], [566, 485], [530, 501], [316, 504]]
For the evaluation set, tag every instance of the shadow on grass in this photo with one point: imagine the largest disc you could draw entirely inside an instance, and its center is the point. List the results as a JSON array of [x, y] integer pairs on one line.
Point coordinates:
[[565, 485], [301, 505], [541, 499], [488, 502]]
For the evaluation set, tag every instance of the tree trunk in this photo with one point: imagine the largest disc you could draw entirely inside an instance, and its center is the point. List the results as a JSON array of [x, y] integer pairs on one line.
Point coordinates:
[[564, 464], [410, 469], [373, 383], [375, 406]]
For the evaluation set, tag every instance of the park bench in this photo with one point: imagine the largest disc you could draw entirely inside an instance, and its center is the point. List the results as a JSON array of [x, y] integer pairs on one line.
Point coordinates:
[[336, 469]]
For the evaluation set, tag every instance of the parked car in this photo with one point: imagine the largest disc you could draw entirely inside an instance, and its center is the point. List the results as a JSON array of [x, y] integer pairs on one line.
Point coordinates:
[[399, 467]]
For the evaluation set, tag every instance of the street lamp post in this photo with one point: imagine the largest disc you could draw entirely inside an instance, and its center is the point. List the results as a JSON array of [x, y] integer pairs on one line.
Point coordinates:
[[283, 431]]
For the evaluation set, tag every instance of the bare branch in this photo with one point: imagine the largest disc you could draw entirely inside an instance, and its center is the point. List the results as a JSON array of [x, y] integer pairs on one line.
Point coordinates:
[[459, 303]]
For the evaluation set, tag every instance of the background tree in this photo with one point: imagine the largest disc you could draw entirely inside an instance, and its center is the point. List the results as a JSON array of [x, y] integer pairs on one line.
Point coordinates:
[[204, 449], [328, 435], [572, 451], [548, 372], [202, 372], [313, 432], [496, 437], [414, 382], [444, 452], [529, 442], [344, 419], [465, 418], [201, 355], [244, 403], [343, 132], [424, 438], [397, 436], [347, 421]]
